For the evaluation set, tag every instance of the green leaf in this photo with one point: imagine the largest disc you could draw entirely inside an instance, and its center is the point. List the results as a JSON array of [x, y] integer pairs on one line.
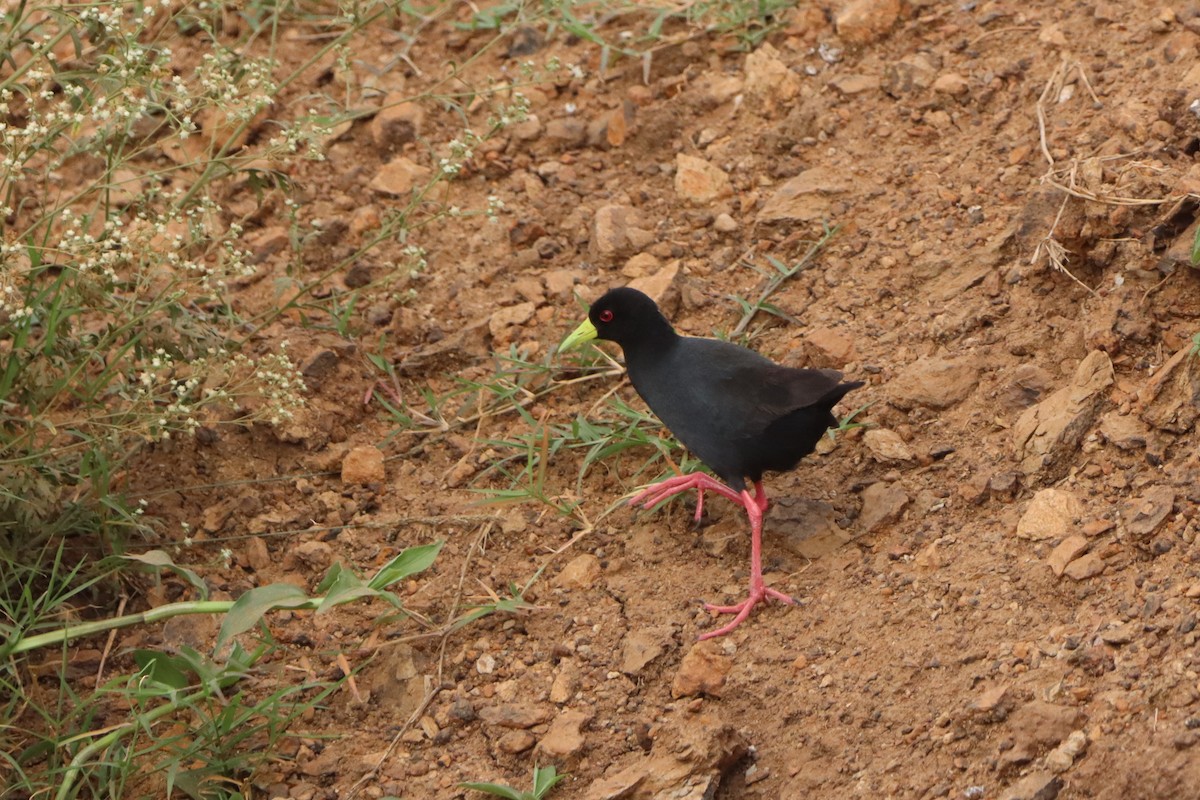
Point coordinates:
[[250, 608], [162, 668], [160, 559], [1196, 248], [496, 789], [544, 780], [409, 562]]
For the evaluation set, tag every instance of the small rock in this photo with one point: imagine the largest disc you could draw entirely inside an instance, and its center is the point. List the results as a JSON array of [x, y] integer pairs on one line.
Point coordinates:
[[1038, 725], [935, 382], [886, 445], [566, 681], [808, 196], [514, 742], [617, 231], [660, 287], [640, 265], [827, 347], [992, 701], [504, 318], [257, 556], [698, 182], [1039, 785], [319, 364], [399, 177], [1084, 567], [397, 123], [912, 74], [1047, 435], [1124, 430], [515, 715], [1067, 551], [485, 664], [725, 224], [1052, 514], [1170, 400], [882, 504], [702, 671], [952, 84], [1143, 515], [865, 21], [560, 283], [1061, 758], [581, 572], [1121, 634], [363, 465], [769, 82], [642, 647], [565, 737], [849, 85], [566, 134], [316, 556]]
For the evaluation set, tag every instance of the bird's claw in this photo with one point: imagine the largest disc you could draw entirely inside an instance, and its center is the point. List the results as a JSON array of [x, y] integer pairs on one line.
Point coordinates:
[[743, 609]]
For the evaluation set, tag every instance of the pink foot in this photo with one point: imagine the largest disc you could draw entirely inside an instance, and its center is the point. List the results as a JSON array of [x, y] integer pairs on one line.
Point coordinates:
[[743, 609], [655, 493]]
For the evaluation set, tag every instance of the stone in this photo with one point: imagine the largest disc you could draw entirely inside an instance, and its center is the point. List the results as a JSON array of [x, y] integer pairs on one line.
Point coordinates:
[[724, 223], [993, 702], [363, 465], [1051, 514], [913, 74], [935, 382], [399, 177], [566, 134], [661, 288], [952, 84], [566, 681], [513, 742], [319, 364], [581, 572], [1170, 400], [1143, 515], [849, 85], [397, 123], [698, 182], [565, 737], [883, 503], [686, 762], [703, 671], [1067, 551], [807, 197], [826, 347], [256, 554], [504, 318], [864, 21], [560, 283], [515, 715], [616, 232], [769, 83], [1047, 435], [1124, 431], [642, 647], [805, 527], [1040, 785], [312, 555], [886, 445], [640, 265], [1121, 634], [1084, 567], [1061, 758], [1037, 725]]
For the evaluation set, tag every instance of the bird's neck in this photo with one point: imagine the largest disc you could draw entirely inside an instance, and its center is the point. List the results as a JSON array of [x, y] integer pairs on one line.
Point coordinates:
[[653, 343]]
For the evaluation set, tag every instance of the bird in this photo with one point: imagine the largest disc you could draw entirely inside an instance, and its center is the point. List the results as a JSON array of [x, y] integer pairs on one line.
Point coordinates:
[[737, 411]]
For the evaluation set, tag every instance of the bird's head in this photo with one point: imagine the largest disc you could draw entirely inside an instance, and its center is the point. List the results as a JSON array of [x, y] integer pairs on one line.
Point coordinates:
[[625, 316]]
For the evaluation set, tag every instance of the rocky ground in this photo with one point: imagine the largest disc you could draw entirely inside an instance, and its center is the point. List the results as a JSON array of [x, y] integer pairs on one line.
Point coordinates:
[[999, 578]]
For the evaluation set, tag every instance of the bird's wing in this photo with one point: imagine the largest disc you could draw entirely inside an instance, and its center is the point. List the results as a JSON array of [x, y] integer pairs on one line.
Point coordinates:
[[751, 385]]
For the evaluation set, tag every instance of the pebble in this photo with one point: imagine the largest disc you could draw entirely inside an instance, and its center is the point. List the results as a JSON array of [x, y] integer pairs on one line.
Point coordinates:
[[1084, 567], [1067, 551], [702, 671], [886, 445], [515, 715], [514, 742], [643, 647], [363, 465], [1061, 758], [882, 504], [581, 572], [699, 182], [565, 737], [935, 382], [951, 83], [399, 177], [1052, 514], [769, 82], [865, 21], [1047, 435], [723, 223], [398, 122]]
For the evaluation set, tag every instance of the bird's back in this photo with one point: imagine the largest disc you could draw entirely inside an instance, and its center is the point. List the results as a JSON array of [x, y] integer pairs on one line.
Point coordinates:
[[737, 411]]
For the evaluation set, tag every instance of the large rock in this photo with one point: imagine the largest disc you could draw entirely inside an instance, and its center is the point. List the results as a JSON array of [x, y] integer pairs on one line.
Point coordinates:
[[935, 382], [1171, 399], [1046, 435], [808, 196]]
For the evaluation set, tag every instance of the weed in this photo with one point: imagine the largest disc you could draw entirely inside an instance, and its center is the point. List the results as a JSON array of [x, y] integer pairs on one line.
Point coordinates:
[[544, 780], [776, 278]]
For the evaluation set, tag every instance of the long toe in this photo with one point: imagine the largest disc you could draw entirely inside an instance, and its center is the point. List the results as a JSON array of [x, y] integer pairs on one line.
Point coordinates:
[[742, 610]]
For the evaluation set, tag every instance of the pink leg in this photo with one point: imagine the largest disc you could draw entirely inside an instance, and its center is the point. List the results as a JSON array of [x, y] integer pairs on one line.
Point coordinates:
[[758, 590], [760, 497]]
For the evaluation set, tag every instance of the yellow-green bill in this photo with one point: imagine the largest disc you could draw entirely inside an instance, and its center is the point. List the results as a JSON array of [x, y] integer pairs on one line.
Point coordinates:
[[586, 332]]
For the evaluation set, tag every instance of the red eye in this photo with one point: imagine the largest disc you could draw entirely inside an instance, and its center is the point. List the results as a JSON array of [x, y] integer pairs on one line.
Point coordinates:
[[605, 316]]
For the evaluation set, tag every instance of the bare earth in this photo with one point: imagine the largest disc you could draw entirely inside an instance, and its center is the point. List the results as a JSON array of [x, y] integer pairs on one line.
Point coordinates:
[[999, 580]]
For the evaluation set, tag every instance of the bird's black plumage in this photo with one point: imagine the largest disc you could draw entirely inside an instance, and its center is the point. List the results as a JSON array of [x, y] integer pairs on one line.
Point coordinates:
[[737, 411]]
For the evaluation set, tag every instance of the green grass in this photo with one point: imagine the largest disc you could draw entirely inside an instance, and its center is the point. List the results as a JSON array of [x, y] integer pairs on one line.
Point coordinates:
[[544, 781]]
